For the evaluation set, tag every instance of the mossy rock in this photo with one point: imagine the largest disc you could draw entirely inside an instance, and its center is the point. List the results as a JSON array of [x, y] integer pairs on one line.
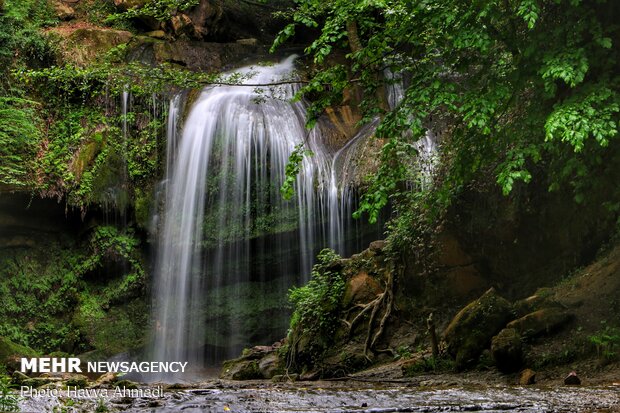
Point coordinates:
[[471, 330], [541, 322], [83, 46], [78, 381], [507, 350], [241, 369], [541, 299], [129, 385], [11, 352]]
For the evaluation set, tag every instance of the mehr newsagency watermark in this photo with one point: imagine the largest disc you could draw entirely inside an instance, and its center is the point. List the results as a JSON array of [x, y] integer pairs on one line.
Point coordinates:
[[75, 365]]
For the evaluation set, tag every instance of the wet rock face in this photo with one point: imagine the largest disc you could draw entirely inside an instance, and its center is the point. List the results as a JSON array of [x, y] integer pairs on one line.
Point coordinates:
[[507, 350], [471, 330]]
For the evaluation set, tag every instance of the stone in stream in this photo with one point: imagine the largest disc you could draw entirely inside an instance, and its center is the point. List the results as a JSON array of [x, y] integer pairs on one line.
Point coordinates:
[[572, 379]]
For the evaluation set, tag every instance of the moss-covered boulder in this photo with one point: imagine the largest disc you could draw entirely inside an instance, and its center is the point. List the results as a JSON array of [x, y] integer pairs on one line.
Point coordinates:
[[539, 300], [507, 350], [82, 46], [260, 362], [10, 353], [241, 369], [471, 330], [541, 322]]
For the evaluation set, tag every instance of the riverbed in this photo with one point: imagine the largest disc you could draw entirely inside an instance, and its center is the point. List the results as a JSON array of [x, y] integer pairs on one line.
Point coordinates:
[[222, 396]]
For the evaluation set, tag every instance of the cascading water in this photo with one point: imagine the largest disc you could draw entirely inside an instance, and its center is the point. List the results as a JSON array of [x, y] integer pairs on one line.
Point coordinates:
[[225, 222], [228, 241]]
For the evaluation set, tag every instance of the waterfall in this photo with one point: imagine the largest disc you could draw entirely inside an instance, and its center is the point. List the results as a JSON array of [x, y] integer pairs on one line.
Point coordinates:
[[226, 237], [222, 198]]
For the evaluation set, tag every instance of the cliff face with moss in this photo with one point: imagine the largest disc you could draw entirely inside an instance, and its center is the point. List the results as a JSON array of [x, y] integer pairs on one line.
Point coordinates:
[[80, 162]]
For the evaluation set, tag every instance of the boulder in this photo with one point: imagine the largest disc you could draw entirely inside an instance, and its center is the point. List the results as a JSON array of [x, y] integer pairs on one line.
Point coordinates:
[[471, 330], [527, 377], [129, 4], [182, 24], [156, 34], [360, 289], [534, 302], [540, 322], [572, 379], [507, 350], [63, 11], [378, 246], [269, 365], [77, 380], [10, 354], [106, 379], [84, 45], [241, 369]]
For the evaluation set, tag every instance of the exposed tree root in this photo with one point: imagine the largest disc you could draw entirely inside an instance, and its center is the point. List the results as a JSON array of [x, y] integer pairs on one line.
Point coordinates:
[[381, 307]]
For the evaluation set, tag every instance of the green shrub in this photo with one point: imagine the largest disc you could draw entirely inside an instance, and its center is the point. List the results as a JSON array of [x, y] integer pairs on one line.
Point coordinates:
[[317, 304], [607, 343]]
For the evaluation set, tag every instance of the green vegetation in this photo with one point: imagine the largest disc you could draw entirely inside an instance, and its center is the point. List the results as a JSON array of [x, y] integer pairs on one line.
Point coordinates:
[[8, 399], [161, 10], [318, 302], [527, 89], [58, 297], [607, 343]]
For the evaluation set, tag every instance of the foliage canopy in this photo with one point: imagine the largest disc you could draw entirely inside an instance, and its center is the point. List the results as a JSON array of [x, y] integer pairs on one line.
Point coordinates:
[[526, 88]]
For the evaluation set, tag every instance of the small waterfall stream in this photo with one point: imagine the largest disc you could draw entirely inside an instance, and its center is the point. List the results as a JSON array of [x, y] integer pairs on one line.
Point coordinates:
[[226, 229]]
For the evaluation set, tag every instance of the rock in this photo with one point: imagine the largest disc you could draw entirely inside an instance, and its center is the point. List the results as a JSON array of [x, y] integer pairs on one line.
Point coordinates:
[[182, 24], [206, 18], [106, 379], [540, 322], [193, 55], [83, 46], [18, 377], [21, 379], [507, 350], [269, 365], [63, 11], [128, 4], [77, 380], [11, 353], [241, 369], [378, 246], [572, 379], [451, 253], [527, 377], [156, 34], [361, 288], [247, 42], [130, 385], [463, 282], [534, 303], [471, 330]]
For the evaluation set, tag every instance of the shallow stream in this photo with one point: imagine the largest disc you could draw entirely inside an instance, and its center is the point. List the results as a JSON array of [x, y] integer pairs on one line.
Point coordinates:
[[341, 397]]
